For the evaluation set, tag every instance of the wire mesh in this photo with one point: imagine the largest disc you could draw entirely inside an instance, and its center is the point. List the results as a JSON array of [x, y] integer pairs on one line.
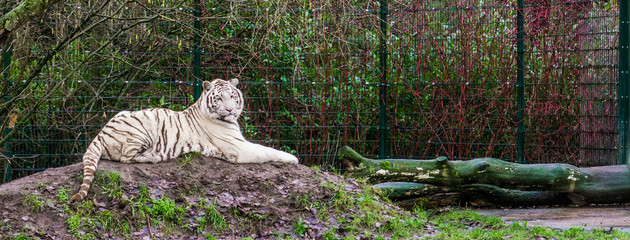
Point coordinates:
[[455, 88], [311, 76]]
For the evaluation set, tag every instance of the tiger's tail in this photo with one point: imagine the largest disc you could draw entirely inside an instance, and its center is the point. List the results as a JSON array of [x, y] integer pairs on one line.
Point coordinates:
[[90, 164]]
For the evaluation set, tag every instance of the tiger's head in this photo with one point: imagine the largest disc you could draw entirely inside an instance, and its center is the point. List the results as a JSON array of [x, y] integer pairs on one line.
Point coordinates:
[[222, 100]]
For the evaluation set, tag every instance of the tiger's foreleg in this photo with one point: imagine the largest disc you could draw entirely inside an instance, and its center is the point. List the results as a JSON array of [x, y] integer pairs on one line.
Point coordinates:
[[256, 153]]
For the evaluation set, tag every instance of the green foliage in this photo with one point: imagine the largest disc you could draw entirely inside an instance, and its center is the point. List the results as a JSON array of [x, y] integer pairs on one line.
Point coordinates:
[[368, 210], [144, 192], [385, 165], [330, 234], [185, 159], [364, 211], [74, 222], [300, 228], [163, 212], [211, 216], [342, 201], [108, 179], [209, 237], [461, 219], [32, 200], [86, 207], [106, 218], [40, 186], [166, 209], [457, 225], [62, 195], [22, 236]]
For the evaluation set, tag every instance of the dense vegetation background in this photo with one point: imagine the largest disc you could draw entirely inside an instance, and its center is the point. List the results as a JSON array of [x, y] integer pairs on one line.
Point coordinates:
[[311, 72]]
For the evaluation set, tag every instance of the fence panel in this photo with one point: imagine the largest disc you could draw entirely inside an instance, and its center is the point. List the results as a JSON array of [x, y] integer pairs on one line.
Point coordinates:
[[571, 82], [454, 76], [457, 62]]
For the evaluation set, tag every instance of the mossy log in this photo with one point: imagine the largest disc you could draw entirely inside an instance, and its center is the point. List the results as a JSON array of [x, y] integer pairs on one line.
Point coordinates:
[[494, 179]]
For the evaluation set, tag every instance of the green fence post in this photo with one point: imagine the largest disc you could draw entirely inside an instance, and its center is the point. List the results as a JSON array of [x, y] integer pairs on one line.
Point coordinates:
[[520, 82], [197, 52], [6, 70], [624, 68], [383, 129]]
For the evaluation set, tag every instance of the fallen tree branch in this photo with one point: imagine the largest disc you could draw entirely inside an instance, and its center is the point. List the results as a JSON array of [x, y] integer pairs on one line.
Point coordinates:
[[495, 179]]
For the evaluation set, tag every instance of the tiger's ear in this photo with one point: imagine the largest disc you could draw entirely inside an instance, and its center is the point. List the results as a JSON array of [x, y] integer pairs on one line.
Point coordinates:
[[234, 81], [206, 85]]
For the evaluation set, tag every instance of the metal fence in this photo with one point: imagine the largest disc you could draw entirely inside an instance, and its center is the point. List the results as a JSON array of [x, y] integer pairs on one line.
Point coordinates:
[[529, 81], [470, 66]]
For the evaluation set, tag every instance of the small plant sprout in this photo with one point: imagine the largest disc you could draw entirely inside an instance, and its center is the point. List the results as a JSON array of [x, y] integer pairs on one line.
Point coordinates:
[[32, 200], [210, 215], [300, 227], [108, 179], [62, 195], [186, 159]]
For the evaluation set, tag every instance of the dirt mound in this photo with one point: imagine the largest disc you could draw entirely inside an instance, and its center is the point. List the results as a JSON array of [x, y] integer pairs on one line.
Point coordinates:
[[197, 198]]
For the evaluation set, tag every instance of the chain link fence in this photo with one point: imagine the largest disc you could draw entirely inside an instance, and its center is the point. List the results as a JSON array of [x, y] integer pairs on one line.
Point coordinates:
[[395, 79]]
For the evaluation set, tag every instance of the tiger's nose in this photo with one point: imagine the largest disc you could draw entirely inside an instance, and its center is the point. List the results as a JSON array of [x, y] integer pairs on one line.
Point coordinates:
[[229, 109]]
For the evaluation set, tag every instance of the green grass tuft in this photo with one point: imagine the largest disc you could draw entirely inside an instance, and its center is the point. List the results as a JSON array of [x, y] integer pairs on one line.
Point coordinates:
[[62, 195], [32, 200], [108, 179], [186, 159], [211, 216], [22, 236], [385, 165], [300, 227], [74, 222], [166, 209]]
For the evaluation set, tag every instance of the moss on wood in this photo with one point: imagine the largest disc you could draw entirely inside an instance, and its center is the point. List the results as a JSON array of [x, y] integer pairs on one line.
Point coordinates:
[[494, 179]]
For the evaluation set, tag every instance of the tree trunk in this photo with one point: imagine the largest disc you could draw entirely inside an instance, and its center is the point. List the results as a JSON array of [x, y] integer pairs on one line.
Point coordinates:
[[494, 180], [21, 14]]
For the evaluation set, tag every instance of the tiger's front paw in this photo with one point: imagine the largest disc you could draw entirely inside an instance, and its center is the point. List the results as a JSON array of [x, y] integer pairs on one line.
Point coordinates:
[[233, 158], [288, 158]]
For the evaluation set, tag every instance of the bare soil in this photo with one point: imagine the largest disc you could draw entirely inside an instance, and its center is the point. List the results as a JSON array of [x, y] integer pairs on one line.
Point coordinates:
[[257, 200]]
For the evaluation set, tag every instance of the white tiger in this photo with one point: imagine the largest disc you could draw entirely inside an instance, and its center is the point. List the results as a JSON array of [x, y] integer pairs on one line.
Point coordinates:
[[152, 135]]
